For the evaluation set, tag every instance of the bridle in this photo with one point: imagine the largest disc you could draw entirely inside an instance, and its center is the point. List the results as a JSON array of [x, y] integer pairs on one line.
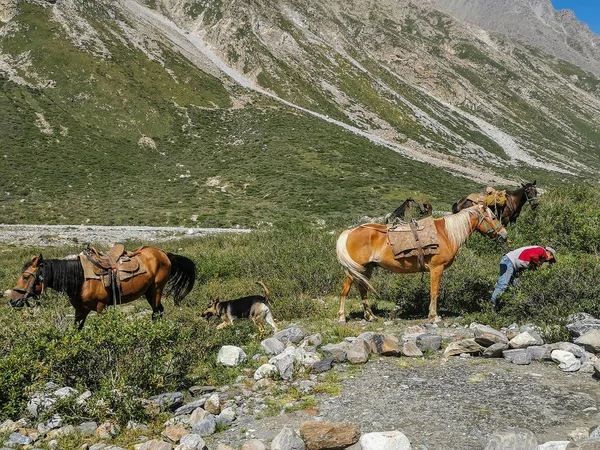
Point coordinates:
[[490, 229], [30, 291]]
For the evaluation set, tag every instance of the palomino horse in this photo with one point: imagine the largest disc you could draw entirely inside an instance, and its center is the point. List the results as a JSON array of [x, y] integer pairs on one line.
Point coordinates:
[[163, 270], [409, 205], [515, 200], [365, 247]]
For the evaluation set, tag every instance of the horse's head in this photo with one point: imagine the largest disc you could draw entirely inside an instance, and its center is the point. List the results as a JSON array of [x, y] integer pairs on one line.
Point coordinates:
[[30, 283], [489, 225], [531, 194]]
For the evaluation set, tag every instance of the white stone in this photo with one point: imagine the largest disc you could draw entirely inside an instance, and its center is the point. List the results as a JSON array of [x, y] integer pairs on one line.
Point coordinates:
[[386, 440], [554, 445], [265, 371], [567, 361], [231, 356]]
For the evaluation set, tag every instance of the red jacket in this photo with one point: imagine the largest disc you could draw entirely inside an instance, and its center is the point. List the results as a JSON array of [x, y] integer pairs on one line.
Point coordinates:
[[524, 256]]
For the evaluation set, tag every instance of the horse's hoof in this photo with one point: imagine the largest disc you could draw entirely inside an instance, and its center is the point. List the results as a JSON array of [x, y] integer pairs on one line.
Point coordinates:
[[341, 320]]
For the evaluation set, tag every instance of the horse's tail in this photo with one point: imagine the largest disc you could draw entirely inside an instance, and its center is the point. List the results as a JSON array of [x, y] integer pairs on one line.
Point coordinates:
[[267, 293], [455, 208], [182, 278], [352, 267]]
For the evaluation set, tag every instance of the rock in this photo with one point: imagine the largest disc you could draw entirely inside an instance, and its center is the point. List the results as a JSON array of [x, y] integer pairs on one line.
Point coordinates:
[[291, 334], [206, 426], [198, 415], [540, 352], [512, 439], [431, 342], [265, 383], [329, 435], [136, 426], [410, 349], [174, 433], [595, 433], [200, 390], [64, 392], [98, 446], [253, 444], [82, 399], [590, 341], [524, 340], [322, 366], [314, 340], [155, 444], [285, 365], [495, 350], [587, 367], [193, 441], [386, 440], [9, 425], [579, 434], [68, 429], [358, 351], [567, 361], [518, 356], [287, 439], [583, 326], [338, 352], [87, 429], [487, 336], [463, 346], [188, 408], [265, 371], [231, 356], [39, 403], [512, 330], [52, 423], [213, 404], [578, 351], [272, 346], [588, 444], [554, 445], [226, 417], [169, 400], [19, 439]]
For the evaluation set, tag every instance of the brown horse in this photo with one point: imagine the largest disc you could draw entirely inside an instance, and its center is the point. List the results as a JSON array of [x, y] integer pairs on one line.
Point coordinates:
[[361, 249], [409, 205], [163, 270], [515, 200]]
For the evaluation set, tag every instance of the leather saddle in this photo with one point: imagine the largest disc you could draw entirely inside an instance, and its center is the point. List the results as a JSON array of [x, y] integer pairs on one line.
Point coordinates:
[[116, 259]]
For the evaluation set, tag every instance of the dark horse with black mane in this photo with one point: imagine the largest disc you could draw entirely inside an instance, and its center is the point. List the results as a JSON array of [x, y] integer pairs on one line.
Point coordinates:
[[173, 274], [406, 208], [515, 200]]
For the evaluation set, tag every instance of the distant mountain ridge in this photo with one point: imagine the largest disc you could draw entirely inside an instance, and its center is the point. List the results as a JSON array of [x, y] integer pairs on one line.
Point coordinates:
[[532, 22]]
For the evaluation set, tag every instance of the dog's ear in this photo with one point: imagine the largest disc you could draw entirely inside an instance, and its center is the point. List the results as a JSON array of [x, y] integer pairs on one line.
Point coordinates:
[[214, 301]]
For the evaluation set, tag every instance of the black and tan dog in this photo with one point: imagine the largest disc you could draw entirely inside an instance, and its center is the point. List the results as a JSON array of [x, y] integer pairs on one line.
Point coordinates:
[[254, 306]]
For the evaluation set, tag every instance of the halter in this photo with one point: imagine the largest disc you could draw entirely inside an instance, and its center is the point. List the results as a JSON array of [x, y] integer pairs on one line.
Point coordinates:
[[490, 230], [529, 199]]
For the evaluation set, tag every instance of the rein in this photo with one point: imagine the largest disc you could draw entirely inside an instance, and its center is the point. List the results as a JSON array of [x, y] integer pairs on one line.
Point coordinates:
[[31, 288]]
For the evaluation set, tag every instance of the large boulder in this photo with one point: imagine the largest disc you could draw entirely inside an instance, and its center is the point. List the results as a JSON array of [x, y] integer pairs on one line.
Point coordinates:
[[524, 340], [385, 344], [329, 435], [463, 346], [495, 350], [287, 439], [272, 346], [583, 326], [519, 356], [358, 351], [430, 342], [338, 352], [567, 361], [590, 341], [291, 334]]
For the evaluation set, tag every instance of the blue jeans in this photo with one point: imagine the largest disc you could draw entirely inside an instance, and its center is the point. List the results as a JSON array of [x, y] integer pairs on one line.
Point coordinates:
[[506, 273]]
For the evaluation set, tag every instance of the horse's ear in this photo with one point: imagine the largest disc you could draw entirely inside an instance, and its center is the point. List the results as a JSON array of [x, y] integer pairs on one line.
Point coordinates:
[[40, 258], [534, 181]]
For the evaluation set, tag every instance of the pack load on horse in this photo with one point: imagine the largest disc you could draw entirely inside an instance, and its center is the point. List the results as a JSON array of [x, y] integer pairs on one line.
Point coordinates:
[[408, 209], [95, 280], [431, 248], [506, 205]]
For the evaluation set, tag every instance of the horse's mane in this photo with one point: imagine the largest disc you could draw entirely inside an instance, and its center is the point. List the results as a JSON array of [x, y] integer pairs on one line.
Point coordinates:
[[63, 275], [458, 227], [519, 191]]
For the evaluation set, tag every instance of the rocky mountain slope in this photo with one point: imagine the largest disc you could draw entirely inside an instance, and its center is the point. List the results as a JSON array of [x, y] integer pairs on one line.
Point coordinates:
[[291, 108], [535, 23]]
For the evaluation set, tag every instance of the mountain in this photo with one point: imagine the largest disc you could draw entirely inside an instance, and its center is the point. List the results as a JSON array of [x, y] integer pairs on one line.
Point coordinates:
[[227, 112], [535, 23]]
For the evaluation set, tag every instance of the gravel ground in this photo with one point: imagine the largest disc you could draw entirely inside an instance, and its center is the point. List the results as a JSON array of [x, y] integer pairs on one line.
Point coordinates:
[[452, 405], [59, 235]]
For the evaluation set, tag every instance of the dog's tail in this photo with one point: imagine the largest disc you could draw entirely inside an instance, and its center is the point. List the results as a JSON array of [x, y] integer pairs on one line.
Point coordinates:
[[267, 293]]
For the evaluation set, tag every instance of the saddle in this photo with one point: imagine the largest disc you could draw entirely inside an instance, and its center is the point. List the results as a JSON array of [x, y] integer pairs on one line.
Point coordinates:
[[112, 267], [414, 239]]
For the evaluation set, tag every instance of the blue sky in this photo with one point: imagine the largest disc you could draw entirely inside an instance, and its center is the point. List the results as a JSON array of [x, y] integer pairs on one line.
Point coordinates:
[[587, 11]]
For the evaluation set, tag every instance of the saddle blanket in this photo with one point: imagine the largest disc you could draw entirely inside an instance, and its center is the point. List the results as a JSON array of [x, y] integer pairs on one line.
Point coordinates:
[[404, 245], [127, 268]]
